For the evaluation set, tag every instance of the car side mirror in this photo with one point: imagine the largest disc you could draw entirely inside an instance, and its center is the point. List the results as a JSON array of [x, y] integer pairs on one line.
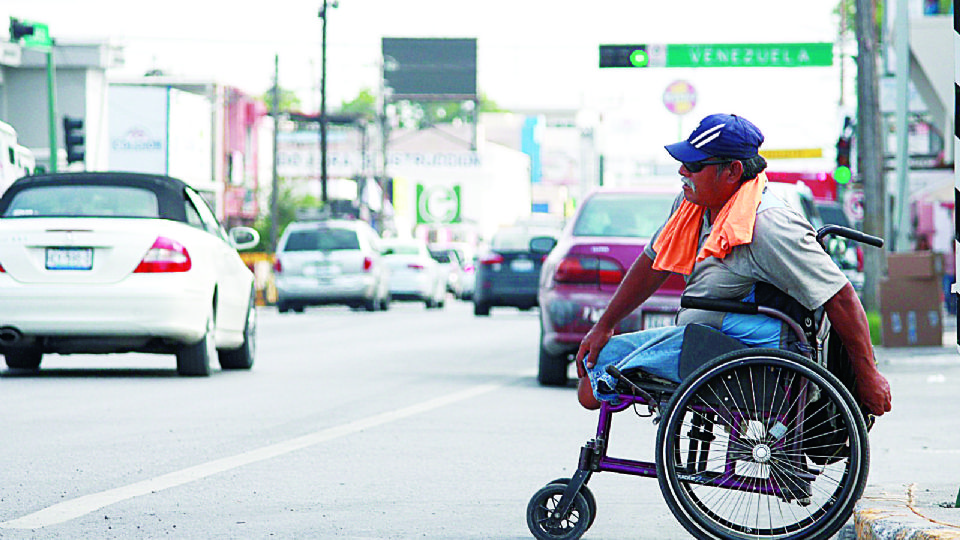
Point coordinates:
[[542, 245], [244, 237]]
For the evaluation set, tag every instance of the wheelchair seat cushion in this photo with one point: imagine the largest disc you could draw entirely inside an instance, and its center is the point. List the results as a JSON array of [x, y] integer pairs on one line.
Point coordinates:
[[701, 344]]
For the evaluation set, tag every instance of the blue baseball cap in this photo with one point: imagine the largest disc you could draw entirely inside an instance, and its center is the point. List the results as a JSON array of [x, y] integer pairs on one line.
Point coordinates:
[[719, 135]]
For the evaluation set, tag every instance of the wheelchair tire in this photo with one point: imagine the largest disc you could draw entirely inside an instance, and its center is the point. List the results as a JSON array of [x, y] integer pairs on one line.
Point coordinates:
[[736, 423], [545, 525], [587, 494]]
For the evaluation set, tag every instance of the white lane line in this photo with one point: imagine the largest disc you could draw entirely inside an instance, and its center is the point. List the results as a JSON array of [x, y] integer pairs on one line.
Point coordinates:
[[74, 508]]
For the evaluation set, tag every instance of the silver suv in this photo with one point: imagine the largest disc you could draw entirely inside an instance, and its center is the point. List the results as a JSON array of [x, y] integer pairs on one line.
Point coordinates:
[[331, 261]]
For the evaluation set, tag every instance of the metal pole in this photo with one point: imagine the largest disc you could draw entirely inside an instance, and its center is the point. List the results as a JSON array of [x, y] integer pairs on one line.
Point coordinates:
[[870, 148], [902, 228], [52, 107], [323, 105], [274, 185]]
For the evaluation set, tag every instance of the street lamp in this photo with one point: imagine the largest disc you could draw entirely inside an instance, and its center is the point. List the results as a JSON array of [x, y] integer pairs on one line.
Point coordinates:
[[323, 98]]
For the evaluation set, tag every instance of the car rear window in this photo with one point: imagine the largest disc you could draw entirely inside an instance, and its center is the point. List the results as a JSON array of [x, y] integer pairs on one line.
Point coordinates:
[[517, 239], [84, 201], [637, 215], [322, 240], [402, 249]]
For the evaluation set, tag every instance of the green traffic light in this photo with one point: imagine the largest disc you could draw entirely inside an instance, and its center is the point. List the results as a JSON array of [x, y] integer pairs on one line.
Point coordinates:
[[842, 175], [639, 58]]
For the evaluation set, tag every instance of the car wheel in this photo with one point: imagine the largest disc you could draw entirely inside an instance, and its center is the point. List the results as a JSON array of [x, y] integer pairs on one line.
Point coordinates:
[[298, 308], [481, 309], [23, 358], [372, 303], [283, 307], [242, 358], [194, 360], [553, 369], [385, 303]]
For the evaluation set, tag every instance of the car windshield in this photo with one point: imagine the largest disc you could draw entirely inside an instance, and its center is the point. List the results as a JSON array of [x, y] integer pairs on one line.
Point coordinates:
[[323, 239], [84, 201], [833, 215], [518, 238], [441, 256], [637, 215]]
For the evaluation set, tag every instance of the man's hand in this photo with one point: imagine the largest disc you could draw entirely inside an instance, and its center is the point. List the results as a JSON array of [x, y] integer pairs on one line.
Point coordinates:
[[590, 348], [873, 392]]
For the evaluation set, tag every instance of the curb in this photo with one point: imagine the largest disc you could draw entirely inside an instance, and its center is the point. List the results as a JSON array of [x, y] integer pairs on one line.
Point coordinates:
[[881, 515]]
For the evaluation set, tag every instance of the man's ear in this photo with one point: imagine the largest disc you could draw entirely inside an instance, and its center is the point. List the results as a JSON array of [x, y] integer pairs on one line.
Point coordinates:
[[736, 170]]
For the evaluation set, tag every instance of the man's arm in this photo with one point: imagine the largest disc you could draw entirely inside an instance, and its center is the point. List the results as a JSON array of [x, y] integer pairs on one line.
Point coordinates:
[[850, 321], [640, 282]]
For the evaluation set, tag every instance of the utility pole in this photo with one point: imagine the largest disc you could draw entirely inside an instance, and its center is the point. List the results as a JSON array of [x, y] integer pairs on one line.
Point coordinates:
[[323, 99], [274, 185], [870, 148]]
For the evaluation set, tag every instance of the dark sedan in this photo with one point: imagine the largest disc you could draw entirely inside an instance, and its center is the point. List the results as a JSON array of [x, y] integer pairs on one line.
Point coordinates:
[[508, 274], [583, 270]]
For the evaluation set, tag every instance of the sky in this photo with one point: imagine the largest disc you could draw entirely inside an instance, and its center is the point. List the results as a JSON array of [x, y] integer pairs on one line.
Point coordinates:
[[532, 54]]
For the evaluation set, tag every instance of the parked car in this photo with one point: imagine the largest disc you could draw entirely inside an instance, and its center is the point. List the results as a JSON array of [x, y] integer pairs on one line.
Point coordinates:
[[331, 261], [507, 274], [110, 262], [414, 274], [460, 259], [581, 273]]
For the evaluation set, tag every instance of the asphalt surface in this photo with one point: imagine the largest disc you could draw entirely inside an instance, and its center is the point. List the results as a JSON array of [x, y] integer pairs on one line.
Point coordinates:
[[925, 509]]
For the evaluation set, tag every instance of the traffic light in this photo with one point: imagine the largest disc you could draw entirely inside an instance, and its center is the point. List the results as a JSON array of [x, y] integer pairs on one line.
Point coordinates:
[[73, 138], [19, 29], [624, 56], [844, 143]]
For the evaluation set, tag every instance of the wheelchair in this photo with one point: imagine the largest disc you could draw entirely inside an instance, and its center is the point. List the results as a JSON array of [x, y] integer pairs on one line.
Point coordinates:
[[753, 443]]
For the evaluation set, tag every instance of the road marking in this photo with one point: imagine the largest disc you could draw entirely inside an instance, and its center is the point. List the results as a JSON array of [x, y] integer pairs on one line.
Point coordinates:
[[74, 508]]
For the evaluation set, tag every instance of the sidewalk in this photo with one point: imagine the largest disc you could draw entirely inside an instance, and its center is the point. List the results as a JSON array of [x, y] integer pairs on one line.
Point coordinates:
[[916, 511]]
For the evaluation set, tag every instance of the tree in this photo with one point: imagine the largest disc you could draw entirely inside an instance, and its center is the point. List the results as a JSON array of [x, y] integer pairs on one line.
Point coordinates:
[[364, 104], [289, 101], [419, 114]]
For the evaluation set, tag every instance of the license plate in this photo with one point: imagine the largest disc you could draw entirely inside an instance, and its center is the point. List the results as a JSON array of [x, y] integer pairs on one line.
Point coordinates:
[[322, 270], [69, 258], [657, 320], [521, 265]]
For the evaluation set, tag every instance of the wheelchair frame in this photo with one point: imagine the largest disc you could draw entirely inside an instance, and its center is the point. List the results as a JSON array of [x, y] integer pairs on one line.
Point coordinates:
[[763, 457]]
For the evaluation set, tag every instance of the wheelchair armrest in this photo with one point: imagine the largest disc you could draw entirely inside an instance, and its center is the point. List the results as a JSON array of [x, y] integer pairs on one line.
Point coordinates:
[[747, 308]]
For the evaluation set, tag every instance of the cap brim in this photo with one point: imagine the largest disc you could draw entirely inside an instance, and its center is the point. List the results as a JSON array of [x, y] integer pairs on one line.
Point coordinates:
[[684, 151]]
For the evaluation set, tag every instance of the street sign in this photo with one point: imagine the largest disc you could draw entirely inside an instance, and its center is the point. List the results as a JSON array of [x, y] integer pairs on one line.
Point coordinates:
[[30, 34], [438, 204], [680, 97], [719, 55], [792, 153]]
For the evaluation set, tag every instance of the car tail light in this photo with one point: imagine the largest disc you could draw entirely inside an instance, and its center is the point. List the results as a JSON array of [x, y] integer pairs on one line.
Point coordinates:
[[414, 266], [1, 269], [277, 267], [491, 259], [468, 268], [367, 264], [165, 255], [580, 269], [859, 259]]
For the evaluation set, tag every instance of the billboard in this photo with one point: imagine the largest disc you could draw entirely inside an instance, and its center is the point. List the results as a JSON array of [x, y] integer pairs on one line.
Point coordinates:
[[431, 68]]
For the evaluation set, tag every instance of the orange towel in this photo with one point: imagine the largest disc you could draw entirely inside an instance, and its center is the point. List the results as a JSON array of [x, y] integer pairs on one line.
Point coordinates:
[[676, 246]]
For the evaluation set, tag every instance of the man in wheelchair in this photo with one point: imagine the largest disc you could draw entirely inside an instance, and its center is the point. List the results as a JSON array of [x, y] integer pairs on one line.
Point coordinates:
[[727, 236]]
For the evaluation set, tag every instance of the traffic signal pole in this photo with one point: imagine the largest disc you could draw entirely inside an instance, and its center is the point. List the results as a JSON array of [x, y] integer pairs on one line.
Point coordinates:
[[52, 107]]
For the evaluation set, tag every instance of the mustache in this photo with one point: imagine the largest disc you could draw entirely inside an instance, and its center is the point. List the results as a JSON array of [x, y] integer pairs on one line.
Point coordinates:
[[688, 182]]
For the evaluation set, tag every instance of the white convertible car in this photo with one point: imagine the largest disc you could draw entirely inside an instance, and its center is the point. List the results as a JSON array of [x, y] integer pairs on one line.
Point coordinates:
[[112, 262]]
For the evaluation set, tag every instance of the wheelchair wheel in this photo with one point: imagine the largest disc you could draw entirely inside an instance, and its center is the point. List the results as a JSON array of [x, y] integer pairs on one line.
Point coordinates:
[[544, 521], [732, 460], [587, 494]]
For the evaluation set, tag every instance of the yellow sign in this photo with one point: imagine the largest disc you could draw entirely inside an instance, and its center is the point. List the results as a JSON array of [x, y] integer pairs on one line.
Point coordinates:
[[794, 153]]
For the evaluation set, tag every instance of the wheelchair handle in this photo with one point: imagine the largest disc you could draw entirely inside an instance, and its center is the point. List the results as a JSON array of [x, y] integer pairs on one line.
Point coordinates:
[[847, 232]]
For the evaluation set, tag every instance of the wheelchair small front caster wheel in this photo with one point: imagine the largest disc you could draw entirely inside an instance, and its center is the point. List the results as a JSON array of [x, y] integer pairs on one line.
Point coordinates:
[[587, 494], [547, 524]]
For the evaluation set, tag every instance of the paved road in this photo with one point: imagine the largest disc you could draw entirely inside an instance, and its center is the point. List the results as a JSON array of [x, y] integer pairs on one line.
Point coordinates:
[[407, 424]]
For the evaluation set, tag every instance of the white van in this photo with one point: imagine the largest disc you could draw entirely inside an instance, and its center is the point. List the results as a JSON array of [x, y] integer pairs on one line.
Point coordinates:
[[15, 160]]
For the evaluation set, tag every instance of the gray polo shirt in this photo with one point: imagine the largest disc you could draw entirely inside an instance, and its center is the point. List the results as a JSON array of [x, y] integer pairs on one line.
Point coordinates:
[[784, 252]]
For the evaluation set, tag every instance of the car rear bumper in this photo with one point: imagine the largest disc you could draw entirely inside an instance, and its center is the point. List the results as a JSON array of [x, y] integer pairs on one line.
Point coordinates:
[[567, 316], [336, 289], [135, 307]]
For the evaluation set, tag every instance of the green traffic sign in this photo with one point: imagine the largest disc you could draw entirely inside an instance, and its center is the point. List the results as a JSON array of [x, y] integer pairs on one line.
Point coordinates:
[[750, 55], [717, 55], [40, 37]]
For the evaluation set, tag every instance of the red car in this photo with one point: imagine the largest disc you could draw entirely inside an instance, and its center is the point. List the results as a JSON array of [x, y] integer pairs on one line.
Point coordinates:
[[584, 267]]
